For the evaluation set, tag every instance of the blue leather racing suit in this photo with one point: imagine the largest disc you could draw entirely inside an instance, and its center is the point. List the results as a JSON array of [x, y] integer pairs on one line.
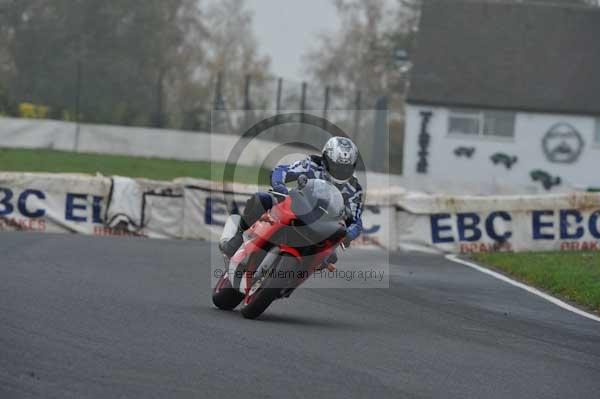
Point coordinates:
[[313, 168]]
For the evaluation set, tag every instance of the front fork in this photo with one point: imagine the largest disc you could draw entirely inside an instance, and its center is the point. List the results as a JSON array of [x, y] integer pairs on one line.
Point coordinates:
[[249, 279]]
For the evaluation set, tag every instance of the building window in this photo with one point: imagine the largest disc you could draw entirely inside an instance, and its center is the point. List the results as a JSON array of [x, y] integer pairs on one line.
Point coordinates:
[[481, 123], [597, 136], [464, 122]]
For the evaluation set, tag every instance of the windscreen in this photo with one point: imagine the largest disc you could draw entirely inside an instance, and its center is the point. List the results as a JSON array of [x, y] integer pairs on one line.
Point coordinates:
[[318, 200]]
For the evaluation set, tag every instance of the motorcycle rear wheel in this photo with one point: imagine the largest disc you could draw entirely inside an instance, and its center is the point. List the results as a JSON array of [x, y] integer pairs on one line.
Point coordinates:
[[225, 297]]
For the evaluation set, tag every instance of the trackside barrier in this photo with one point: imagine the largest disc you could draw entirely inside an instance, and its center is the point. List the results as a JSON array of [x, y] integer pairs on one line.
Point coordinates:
[[134, 141], [393, 218], [464, 224], [119, 206]]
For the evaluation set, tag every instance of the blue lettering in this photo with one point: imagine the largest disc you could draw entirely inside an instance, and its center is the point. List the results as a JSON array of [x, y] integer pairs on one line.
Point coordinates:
[[72, 206], [97, 210], [216, 206], [491, 230], [538, 225], [208, 211], [565, 233], [593, 225], [436, 229], [471, 226], [22, 204], [8, 208]]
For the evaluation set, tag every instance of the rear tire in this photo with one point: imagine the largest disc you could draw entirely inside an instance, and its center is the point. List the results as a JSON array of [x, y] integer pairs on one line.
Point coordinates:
[[270, 290], [225, 297]]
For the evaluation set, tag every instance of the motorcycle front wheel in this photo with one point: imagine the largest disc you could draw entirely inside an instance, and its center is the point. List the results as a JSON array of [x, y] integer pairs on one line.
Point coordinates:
[[276, 282]]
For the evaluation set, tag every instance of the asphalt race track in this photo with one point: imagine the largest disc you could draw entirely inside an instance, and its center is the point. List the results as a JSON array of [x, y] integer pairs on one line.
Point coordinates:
[[84, 317]]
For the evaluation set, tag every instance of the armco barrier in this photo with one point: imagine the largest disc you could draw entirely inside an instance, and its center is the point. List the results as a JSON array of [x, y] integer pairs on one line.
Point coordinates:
[[197, 209], [131, 141], [148, 142]]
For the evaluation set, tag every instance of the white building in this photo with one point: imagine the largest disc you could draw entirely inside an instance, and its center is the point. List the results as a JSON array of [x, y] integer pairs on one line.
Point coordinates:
[[504, 98]]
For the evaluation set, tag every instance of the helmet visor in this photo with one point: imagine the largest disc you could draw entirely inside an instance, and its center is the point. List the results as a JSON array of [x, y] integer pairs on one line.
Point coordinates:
[[340, 171]]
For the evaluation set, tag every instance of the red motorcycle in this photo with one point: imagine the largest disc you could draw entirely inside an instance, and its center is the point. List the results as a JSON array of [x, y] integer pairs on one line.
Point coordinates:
[[283, 248]]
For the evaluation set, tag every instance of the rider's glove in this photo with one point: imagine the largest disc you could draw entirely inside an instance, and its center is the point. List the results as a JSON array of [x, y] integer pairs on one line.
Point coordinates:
[[280, 188], [352, 233]]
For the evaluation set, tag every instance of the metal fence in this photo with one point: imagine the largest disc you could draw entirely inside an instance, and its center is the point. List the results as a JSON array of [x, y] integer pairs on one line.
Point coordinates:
[[361, 116], [358, 113]]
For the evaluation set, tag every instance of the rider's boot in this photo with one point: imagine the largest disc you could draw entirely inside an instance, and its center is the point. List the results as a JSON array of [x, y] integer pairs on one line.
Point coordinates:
[[230, 247], [233, 233], [233, 236]]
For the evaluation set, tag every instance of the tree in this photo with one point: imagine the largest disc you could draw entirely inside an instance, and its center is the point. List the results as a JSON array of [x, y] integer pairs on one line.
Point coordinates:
[[232, 57], [368, 54], [118, 48], [152, 62], [364, 54], [232, 50]]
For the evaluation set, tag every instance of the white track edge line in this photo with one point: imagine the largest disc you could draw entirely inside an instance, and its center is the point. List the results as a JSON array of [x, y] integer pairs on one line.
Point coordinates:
[[535, 291]]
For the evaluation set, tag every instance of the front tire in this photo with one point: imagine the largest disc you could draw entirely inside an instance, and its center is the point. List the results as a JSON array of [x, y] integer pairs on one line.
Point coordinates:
[[270, 290], [225, 297]]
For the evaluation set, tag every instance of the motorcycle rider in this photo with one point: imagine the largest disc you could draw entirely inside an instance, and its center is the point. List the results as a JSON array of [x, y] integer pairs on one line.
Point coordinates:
[[336, 164]]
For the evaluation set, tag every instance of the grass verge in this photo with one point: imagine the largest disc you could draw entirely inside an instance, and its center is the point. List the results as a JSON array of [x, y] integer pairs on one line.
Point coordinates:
[[574, 276], [24, 160]]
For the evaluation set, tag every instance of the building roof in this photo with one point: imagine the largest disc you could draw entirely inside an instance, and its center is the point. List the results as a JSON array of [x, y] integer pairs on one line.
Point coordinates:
[[517, 56]]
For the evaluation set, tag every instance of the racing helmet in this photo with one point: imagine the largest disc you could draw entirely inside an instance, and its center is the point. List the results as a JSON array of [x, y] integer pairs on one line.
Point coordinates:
[[339, 157]]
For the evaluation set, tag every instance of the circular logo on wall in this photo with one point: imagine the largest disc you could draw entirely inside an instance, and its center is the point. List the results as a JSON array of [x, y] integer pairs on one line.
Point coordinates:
[[562, 144]]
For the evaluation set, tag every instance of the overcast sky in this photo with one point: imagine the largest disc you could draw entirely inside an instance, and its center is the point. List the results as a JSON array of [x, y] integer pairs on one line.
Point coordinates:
[[286, 29]]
